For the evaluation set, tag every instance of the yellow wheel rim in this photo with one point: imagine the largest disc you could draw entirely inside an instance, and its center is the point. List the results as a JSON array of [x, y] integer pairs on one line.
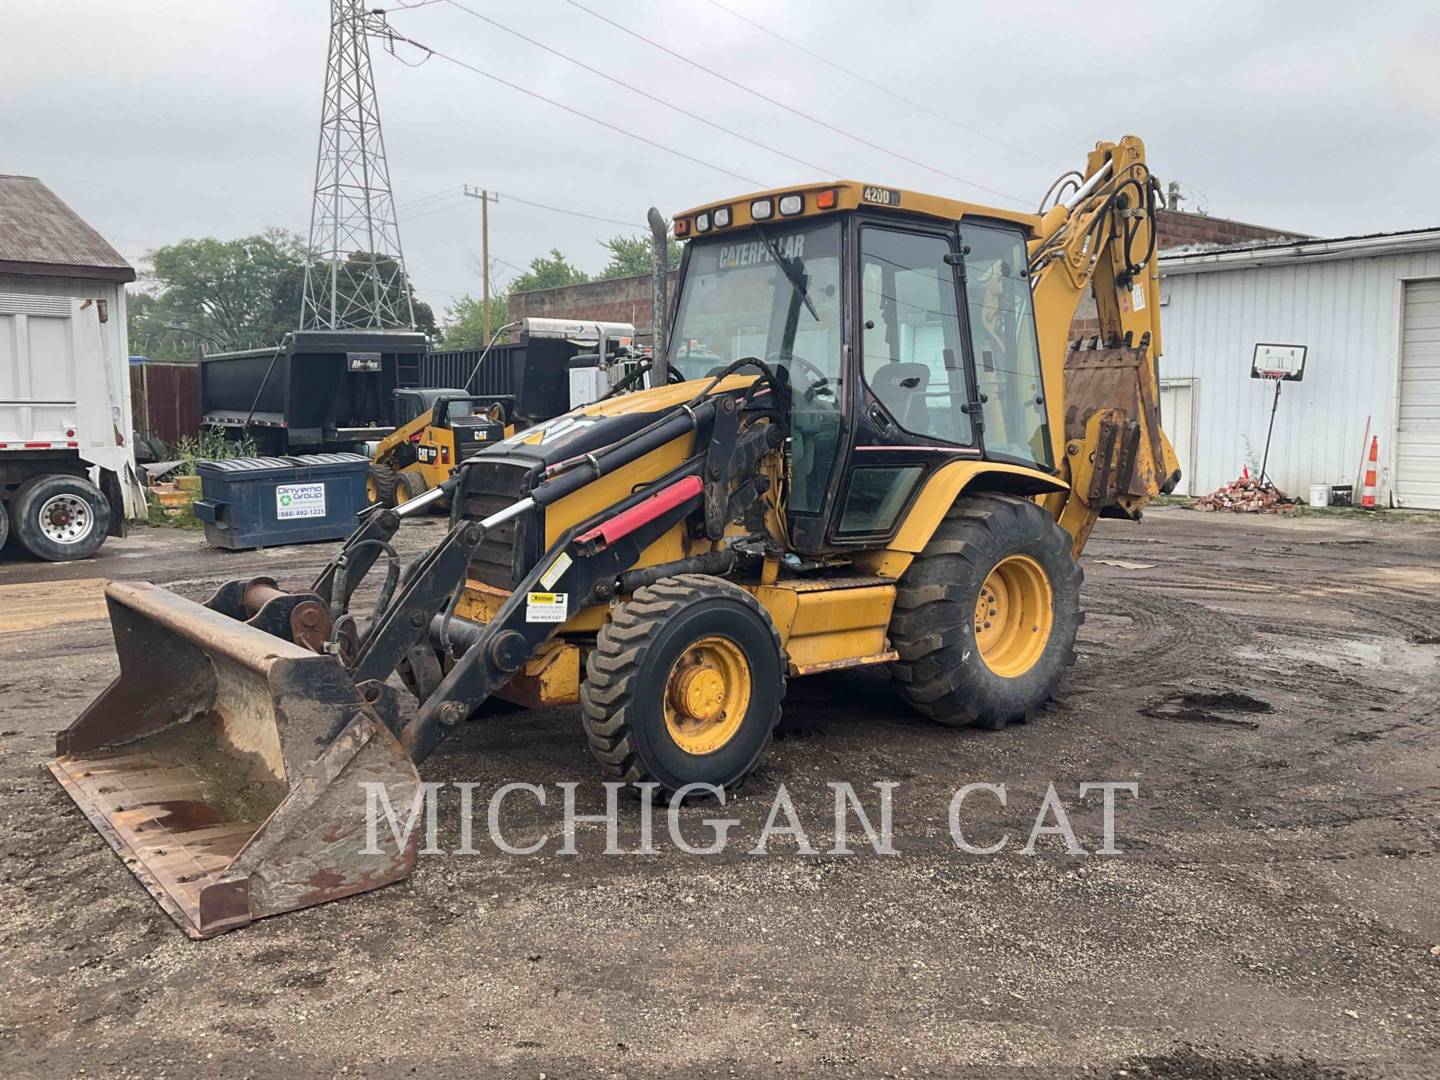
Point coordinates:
[[372, 490], [1014, 615], [402, 494], [706, 695]]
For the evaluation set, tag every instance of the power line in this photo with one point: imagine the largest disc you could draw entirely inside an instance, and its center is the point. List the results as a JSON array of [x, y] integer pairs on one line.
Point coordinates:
[[392, 36], [428, 210], [412, 203], [791, 109], [572, 213], [458, 194], [877, 86], [643, 93]]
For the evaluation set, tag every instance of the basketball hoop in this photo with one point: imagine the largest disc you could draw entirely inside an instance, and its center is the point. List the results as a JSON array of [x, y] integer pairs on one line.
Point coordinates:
[[1278, 364]]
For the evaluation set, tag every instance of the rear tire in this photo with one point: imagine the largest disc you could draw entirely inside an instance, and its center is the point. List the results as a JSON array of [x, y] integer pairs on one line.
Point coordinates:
[[4, 525], [408, 485], [59, 518], [684, 685], [986, 616], [380, 483]]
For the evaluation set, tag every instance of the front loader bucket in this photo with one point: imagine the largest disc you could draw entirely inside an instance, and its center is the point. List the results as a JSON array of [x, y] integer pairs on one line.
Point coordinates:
[[229, 768]]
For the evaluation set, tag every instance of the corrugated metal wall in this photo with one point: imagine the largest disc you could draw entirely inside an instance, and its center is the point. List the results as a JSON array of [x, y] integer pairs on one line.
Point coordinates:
[[1345, 310]]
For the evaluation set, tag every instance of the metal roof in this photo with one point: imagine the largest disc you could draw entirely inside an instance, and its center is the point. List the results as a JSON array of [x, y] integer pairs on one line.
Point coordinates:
[[39, 234], [1365, 245]]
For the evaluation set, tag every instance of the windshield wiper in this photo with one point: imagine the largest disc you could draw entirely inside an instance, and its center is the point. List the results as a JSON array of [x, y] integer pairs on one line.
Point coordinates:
[[790, 274]]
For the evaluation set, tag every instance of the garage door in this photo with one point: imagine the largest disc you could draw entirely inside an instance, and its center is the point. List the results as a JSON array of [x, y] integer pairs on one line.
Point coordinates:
[[1177, 417], [1417, 439]]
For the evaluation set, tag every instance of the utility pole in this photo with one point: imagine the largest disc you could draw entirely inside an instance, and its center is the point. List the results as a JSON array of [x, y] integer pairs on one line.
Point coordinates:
[[355, 276], [485, 200]]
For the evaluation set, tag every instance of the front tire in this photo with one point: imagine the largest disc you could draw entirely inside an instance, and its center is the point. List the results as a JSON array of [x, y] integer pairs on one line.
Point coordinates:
[[684, 685], [380, 483], [408, 485], [986, 616], [60, 518]]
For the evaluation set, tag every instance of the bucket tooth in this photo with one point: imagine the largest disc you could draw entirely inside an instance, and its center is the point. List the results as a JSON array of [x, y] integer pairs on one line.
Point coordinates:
[[230, 769]]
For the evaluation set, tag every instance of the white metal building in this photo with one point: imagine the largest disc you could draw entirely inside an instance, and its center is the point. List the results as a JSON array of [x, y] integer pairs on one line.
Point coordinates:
[[1368, 310]]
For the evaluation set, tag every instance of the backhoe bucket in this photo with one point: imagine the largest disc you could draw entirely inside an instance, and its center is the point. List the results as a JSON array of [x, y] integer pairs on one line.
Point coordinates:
[[232, 770]]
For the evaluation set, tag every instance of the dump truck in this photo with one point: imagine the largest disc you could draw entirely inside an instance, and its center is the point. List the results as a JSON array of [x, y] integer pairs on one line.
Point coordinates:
[[898, 461], [67, 470]]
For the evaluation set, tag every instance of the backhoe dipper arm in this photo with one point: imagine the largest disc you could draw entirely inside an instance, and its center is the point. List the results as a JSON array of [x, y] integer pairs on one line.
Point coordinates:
[[1105, 427]]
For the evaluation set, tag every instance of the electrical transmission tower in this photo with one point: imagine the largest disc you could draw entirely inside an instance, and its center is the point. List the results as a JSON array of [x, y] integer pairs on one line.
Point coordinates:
[[355, 277]]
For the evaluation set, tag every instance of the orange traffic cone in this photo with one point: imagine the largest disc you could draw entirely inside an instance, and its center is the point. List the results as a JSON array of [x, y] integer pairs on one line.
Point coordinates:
[[1367, 493]]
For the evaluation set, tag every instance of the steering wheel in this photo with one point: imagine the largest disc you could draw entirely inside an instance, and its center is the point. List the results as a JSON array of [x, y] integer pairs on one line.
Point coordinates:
[[821, 385]]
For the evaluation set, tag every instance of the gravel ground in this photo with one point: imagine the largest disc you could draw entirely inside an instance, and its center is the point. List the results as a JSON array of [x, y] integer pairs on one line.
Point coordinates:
[[1269, 685]]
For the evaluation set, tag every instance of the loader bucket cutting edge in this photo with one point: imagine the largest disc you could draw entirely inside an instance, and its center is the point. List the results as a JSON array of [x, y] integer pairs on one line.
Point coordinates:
[[228, 768]]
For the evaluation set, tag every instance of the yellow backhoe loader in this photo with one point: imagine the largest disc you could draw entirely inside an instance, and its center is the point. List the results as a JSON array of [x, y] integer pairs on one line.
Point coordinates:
[[438, 428], [891, 457]]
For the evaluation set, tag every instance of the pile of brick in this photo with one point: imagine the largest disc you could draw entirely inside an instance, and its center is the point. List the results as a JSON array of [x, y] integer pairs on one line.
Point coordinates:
[[1245, 496]]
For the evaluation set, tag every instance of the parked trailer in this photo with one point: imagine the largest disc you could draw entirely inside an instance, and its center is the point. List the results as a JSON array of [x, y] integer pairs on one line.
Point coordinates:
[[317, 391], [67, 475], [546, 371]]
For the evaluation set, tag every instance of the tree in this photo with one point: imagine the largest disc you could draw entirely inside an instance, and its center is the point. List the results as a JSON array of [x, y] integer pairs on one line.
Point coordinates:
[[549, 272], [211, 295], [464, 322], [630, 256], [222, 294], [356, 268]]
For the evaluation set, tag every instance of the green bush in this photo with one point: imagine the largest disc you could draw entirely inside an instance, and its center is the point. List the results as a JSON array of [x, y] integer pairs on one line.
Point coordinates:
[[210, 445]]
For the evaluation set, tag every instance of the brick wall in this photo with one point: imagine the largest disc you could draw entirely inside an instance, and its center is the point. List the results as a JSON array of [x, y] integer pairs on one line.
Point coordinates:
[[614, 300]]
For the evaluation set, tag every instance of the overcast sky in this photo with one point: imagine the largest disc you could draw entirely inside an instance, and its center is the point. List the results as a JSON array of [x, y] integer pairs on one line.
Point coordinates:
[[163, 120]]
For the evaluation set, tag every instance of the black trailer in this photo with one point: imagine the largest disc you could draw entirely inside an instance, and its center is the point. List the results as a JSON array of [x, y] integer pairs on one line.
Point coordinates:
[[317, 391], [535, 370]]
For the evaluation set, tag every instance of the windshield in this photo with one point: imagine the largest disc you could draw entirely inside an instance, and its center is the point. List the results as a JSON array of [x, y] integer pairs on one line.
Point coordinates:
[[736, 302]]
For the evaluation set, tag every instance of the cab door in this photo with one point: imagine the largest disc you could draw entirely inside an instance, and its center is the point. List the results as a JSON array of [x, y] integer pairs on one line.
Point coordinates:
[[915, 406], [1006, 351]]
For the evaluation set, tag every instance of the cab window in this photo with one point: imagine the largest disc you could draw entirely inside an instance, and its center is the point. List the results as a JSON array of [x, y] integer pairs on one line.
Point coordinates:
[[1007, 354], [912, 358]]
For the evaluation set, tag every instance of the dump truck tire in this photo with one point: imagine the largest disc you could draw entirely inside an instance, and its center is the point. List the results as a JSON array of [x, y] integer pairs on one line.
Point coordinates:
[[408, 485], [986, 616], [684, 685], [4, 525], [59, 518], [380, 485]]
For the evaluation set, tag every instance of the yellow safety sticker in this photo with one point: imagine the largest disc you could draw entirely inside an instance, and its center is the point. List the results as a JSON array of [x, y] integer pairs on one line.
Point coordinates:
[[558, 567]]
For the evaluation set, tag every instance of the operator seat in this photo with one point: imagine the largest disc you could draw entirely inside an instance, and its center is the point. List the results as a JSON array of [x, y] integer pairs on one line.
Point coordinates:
[[901, 389]]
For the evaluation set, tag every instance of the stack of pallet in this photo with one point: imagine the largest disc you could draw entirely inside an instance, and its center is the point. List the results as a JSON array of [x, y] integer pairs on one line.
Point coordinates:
[[1245, 496]]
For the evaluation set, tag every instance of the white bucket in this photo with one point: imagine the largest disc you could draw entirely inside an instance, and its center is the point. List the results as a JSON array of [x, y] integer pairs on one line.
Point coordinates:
[[1319, 495]]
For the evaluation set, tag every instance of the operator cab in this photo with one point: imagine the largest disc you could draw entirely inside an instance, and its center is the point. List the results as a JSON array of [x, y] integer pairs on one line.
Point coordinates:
[[905, 326], [475, 421]]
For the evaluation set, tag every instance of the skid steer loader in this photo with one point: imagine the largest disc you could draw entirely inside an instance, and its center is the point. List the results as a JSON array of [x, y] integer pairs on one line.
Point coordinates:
[[438, 429], [893, 458]]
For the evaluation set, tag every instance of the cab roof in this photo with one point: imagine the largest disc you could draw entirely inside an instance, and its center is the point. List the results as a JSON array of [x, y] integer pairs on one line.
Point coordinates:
[[832, 197]]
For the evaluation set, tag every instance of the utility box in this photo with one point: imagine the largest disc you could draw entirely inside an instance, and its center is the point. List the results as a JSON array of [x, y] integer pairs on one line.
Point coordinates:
[[270, 501]]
